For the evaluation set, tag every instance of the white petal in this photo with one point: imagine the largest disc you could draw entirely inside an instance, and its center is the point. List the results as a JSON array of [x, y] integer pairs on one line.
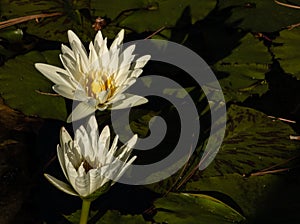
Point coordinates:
[[61, 185], [126, 56], [76, 44], [103, 49], [92, 130], [73, 37], [61, 159], [125, 150], [136, 73], [82, 182], [64, 91], [83, 139], [70, 64], [122, 74], [82, 110], [124, 168], [55, 74], [126, 84], [103, 144], [141, 62], [64, 137], [98, 41], [110, 156], [71, 171], [96, 180], [80, 94], [131, 142], [114, 62], [118, 40], [82, 63], [129, 101], [113, 146], [116, 97], [66, 50], [102, 96], [104, 61], [93, 54]]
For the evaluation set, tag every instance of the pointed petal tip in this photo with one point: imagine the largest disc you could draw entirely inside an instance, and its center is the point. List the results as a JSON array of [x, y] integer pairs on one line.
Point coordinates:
[[41, 66], [63, 131], [61, 185], [105, 132]]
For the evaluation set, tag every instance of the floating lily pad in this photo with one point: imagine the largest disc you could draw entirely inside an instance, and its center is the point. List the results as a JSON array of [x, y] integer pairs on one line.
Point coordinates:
[[142, 16], [24, 88], [245, 68], [194, 209], [253, 142], [261, 15], [108, 218], [117, 218], [51, 27], [257, 196], [288, 52]]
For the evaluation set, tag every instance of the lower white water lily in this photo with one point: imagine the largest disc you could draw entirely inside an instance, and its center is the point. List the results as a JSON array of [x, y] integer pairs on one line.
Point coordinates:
[[97, 80], [89, 163]]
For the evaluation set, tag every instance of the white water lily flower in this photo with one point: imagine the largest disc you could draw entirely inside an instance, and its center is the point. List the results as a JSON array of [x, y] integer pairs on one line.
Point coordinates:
[[89, 163], [98, 79]]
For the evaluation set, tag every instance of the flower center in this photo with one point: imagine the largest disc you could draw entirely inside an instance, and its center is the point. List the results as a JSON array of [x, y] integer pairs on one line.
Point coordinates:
[[99, 83]]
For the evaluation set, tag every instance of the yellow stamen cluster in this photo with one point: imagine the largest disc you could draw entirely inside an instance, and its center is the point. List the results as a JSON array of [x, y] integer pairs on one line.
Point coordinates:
[[99, 83]]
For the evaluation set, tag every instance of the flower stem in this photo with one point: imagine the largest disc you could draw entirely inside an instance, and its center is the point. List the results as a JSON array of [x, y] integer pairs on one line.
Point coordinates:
[[85, 211]]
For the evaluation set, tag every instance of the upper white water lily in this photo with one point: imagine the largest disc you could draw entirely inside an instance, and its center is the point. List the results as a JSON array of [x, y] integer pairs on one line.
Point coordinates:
[[97, 79], [89, 163]]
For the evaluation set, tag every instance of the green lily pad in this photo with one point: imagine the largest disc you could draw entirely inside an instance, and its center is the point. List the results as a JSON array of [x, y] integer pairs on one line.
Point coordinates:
[[117, 218], [109, 217], [142, 16], [194, 209], [24, 88], [52, 27], [257, 196], [253, 141], [246, 67], [289, 52], [260, 15]]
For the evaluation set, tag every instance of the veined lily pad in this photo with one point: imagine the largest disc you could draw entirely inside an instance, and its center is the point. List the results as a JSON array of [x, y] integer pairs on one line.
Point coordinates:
[[142, 16], [253, 142], [25, 89], [246, 67], [194, 209], [51, 27], [263, 199], [288, 53]]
